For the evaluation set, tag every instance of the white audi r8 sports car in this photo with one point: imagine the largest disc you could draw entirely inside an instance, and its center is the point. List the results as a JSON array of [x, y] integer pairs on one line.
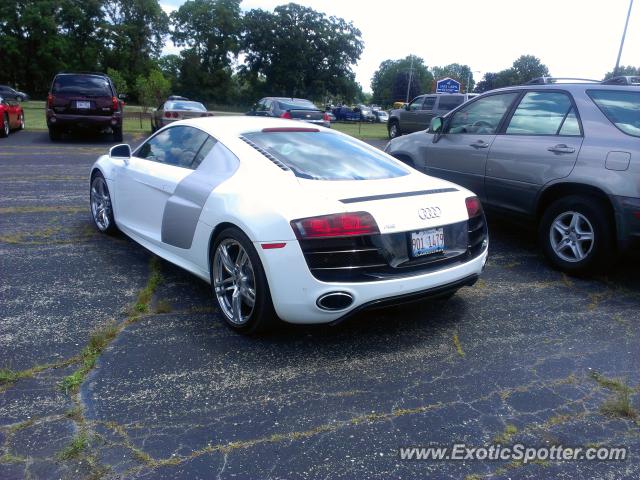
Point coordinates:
[[297, 222]]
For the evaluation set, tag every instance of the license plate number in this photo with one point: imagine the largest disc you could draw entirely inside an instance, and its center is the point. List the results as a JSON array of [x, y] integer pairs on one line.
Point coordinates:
[[426, 242], [83, 105]]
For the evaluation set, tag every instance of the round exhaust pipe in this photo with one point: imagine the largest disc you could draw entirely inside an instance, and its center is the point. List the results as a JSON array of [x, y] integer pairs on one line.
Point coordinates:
[[334, 301]]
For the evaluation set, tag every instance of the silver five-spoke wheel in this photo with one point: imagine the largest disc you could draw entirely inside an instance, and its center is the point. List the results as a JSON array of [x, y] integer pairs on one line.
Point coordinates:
[[234, 281], [100, 203], [571, 236]]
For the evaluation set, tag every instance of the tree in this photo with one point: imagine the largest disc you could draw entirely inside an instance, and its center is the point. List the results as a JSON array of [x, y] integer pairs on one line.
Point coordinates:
[[135, 36], [389, 82], [170, 66], [152, 89], [461, 73], [210, 29], [118, 80], [528, 67], [622, 70], [299, 51]]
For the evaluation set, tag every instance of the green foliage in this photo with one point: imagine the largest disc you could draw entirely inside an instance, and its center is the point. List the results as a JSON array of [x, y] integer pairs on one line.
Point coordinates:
[[297, 51], [524, 68], [118, 80], [389, 83], [78, 445], [152, 89], [461, 73], [623, 70]]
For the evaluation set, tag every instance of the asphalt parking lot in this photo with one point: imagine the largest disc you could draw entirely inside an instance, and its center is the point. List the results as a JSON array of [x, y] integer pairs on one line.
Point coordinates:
[[164, 390]]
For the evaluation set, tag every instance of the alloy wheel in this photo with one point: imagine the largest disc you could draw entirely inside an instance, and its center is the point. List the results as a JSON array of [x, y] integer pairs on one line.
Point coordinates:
[[234, 281], [6, 126], [100, 203], [571, 236]]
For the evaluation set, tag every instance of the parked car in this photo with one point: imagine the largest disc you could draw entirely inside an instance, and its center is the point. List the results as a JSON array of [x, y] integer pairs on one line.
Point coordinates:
[[565, 157], [83, 101], [358, 113], [417, 114], [8, 93], [366, 114], [11, 116], [621, 80], [332, 117], [177, 108], [306, 224], [381, 116], [292, 109]]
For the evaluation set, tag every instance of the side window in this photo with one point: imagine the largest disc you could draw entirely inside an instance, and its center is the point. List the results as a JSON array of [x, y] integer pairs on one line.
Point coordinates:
[[483, 116], [416, 104], [449, 102], [267, 105], [260, 106], [544, 113], [429, 102], [174, 146], [206, 147]]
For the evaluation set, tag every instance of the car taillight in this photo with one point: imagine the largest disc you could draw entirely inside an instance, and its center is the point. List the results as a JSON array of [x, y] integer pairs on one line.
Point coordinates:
[[175, 115], [474, 207], [325, 117], [335, 225], [286, 115], [50, 101], [114, 104], [167, 114]]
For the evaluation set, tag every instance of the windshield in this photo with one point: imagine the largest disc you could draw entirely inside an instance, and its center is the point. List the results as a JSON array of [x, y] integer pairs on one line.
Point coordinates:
[[326, 156], [189, 106], [81, 84], [621, 107], [296, 105]]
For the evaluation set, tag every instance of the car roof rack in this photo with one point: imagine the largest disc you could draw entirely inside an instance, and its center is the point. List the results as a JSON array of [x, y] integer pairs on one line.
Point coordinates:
[[549, 80], [177, 97], [81, 72]]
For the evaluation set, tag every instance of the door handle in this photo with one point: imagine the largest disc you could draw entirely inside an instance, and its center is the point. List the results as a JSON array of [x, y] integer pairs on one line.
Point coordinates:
[[479, 144], [561, 148]]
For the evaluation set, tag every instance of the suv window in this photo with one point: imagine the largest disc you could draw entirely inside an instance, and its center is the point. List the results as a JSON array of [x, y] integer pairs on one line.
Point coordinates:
[[543, 113], [174, 146], [449, 102], [621, 107], [82, 84], [429, 102], [483, 116], [326, 156], [416, 104]]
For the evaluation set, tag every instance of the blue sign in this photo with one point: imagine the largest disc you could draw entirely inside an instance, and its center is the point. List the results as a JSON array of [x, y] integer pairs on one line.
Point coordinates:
[[447, 85]]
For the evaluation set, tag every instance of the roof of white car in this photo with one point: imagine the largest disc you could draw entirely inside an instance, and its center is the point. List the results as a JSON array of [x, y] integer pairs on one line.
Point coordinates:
[[236, 125]]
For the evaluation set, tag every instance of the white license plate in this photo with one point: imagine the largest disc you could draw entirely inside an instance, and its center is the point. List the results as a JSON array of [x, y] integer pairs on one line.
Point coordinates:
[[83, 105], [426, 242]]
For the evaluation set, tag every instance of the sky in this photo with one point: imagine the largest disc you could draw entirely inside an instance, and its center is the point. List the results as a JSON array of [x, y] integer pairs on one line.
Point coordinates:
[[574, 38]]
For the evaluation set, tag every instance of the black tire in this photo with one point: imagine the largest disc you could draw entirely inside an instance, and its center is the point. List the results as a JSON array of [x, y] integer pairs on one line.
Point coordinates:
[[108, 223], [394, 129], [590, 215], [21, 124], [153, 128], [117, 134], [262, 316], [6, 127], [54, 134]]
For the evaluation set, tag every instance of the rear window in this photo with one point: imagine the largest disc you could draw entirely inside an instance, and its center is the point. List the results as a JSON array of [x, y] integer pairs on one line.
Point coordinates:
[[621, 107], [189, 106], [449, 103], [326, 156], [81, 84], [296, 105]]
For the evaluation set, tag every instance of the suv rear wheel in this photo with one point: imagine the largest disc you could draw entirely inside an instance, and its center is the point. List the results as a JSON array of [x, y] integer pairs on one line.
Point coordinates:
[[576, 234], [117, 134], [54, 133], [394, 130]]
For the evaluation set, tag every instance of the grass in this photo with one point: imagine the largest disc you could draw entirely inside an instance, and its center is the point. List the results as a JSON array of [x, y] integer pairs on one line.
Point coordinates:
[[458, 345], [618, 404], [505, 437], [163, 306], [35, 120], [78, 445]]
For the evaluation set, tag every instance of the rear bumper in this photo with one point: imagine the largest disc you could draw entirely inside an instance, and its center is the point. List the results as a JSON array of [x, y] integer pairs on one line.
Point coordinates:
[[627, 214], [83, 121]]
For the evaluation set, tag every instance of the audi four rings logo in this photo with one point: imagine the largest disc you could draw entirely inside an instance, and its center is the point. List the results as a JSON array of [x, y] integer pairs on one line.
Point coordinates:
[[429, 212]]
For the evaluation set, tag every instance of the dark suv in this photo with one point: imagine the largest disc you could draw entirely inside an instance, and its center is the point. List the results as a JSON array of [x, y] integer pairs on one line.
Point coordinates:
[[83, 100]]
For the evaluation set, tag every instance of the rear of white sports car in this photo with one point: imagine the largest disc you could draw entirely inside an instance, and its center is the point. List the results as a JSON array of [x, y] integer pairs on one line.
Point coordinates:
[[363, 229]]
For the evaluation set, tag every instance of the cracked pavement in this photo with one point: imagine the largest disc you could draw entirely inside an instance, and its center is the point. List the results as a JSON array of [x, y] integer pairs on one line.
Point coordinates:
[[178, 395]]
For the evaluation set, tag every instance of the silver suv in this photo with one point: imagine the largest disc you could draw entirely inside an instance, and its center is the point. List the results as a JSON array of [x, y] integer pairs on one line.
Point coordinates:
[[565, 156]]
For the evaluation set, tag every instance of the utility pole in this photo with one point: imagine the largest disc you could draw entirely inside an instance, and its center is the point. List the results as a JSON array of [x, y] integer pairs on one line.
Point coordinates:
[[411, 78], [624, 34]]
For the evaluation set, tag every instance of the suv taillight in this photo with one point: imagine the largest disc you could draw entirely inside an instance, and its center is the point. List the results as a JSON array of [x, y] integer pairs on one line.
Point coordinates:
[[335, 225], [474, 207], [50, 101], [114, 104], [325, 117], [286, 115]]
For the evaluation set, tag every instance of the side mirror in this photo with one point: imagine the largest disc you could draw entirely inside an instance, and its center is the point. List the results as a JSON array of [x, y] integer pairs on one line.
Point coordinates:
[[122, 96], [436, 127], [120, 151], [406, 107]]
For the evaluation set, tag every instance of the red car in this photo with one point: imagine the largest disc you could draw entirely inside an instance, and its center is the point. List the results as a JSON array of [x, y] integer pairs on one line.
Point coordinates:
[[11, 116]]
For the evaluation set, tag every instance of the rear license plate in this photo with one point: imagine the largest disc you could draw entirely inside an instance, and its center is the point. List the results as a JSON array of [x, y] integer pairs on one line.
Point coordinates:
[[83, 105], [426, 242]]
